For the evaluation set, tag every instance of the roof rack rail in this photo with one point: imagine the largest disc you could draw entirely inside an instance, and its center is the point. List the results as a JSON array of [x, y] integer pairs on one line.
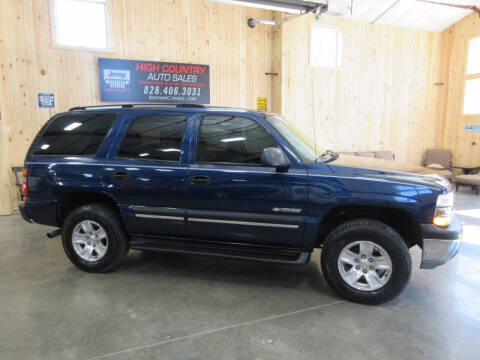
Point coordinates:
[[99, 107], [190, 106], [127, 106]]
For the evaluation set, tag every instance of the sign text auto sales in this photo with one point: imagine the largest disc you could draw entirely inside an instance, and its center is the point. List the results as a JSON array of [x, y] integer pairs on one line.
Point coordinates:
[[156, 82]]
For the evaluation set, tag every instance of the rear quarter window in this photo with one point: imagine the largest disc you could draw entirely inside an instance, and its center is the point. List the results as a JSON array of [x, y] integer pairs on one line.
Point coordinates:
[[74, 134]]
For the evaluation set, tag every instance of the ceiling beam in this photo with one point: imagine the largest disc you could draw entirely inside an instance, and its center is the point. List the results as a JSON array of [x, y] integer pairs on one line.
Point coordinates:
[[385, 11]]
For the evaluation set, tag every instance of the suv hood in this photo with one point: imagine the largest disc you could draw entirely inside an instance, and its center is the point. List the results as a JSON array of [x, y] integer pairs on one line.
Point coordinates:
[[393, 170]]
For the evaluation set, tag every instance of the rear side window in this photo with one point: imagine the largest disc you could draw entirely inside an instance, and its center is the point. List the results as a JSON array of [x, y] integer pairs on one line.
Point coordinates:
[[154, 137], [232, 139], [74, 134]]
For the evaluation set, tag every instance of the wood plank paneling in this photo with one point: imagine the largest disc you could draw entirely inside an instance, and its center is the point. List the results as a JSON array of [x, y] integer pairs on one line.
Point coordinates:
[[193, 31], [455, 137], [383, 97]]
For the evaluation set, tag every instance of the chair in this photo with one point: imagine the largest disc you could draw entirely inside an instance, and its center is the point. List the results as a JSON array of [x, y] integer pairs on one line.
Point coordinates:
[[367, 154], [468, 180], [385, 155], [440, 162]]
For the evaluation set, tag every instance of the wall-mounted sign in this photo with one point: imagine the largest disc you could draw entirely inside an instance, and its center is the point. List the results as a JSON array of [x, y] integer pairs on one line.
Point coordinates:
[[262, 103], [153, 82], [46, 100], [472, 128]]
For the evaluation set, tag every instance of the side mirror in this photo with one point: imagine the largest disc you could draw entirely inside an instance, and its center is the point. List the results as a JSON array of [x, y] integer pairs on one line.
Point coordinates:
[[275, 157]]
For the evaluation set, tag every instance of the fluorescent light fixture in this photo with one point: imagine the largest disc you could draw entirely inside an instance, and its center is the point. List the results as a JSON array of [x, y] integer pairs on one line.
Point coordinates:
[[143, 154], [170, 150], [234, 139], [261, 5], [44, 146], [72, 126]]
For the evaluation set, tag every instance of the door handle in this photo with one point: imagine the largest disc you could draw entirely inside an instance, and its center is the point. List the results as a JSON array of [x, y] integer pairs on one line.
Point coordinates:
[[120, 175], [200, 180]]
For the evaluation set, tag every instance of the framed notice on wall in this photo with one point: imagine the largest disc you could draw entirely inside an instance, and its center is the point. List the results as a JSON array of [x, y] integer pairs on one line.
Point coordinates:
[[472, 128], [262, 104], [46, 100], [153, 82]]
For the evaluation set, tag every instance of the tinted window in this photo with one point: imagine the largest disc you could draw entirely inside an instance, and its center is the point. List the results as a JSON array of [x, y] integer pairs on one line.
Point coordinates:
[[77, 134], [157, 137], [227, 139]]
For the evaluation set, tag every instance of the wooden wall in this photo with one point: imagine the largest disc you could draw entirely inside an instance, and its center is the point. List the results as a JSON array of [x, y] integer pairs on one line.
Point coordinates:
[[455, 137], [383, 97], [195, 31]]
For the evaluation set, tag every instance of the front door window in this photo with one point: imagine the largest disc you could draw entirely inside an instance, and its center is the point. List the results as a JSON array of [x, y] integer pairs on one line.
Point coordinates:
[[232, 140]]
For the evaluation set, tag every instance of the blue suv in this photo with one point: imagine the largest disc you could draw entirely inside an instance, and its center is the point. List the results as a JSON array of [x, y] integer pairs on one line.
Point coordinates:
[[234, 183]]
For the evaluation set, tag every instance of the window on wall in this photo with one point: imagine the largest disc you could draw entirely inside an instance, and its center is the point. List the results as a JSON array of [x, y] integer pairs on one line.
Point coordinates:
[[471, 103], [80, 23], [326, 47]]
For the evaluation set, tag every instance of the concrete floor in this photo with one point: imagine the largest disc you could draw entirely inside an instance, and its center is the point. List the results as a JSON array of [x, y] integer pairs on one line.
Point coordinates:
[[159, 306]]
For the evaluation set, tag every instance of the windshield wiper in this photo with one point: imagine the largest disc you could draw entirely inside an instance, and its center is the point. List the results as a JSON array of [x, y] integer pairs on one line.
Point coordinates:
[[327, 157]]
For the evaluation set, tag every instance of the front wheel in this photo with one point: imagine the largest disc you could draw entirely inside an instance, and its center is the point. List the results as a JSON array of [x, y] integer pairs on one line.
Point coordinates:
[[366, 261]]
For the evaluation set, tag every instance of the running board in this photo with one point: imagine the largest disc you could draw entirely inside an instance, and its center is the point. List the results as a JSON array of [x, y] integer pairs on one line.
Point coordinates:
[[226, 250]]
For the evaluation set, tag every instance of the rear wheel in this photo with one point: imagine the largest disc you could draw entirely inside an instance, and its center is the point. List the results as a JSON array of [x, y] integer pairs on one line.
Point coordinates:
[[366, 261], [94, 239]]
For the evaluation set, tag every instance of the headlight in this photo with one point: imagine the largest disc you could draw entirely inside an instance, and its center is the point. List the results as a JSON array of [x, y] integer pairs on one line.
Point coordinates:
[[444, 210]]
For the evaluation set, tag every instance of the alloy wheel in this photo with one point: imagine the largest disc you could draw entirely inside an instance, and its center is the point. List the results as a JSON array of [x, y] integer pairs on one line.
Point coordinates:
[[365, 265], [90, 240]]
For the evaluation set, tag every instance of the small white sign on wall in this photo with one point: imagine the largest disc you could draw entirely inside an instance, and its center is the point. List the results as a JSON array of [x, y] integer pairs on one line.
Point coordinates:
[[472, 128], [46, 100]]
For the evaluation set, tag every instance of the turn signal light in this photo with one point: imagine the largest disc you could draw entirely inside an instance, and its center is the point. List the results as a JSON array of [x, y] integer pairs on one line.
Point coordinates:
[[24, 172], [442, 216], [441, 221]]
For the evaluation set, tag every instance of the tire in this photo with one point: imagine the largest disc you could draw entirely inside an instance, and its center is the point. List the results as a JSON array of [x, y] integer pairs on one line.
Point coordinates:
[[111, 243], [368, 237]]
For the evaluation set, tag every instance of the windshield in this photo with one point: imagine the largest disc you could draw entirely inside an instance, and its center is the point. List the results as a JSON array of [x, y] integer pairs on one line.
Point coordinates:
[[304, 146]]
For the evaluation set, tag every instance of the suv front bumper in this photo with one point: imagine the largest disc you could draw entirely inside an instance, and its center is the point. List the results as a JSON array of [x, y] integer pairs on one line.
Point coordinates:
[[440, 245]]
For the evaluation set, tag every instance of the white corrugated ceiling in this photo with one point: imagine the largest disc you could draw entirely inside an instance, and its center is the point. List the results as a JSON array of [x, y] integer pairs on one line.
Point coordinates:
[[414, 14], [409, 13]]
